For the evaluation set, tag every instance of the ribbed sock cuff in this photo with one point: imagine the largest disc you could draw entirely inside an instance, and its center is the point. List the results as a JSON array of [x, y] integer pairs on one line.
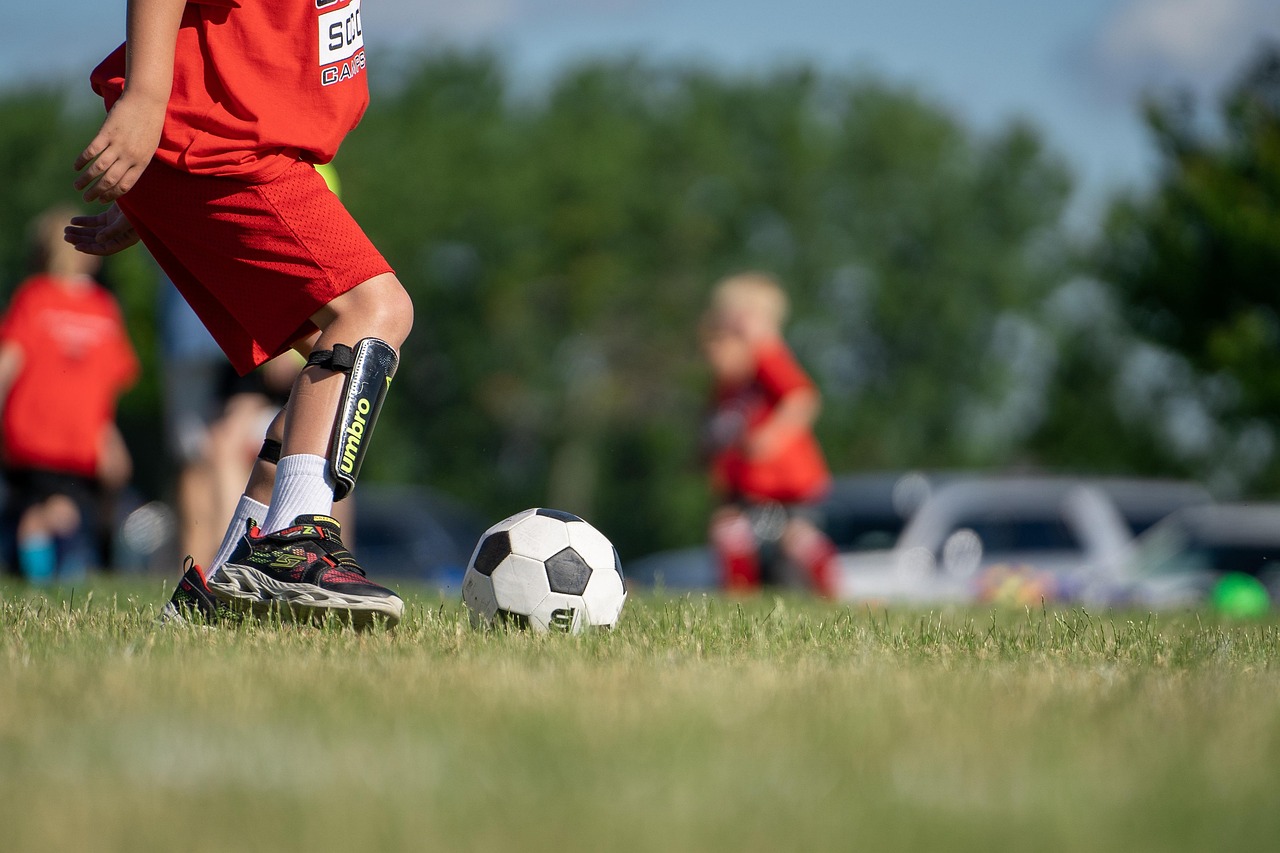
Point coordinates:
[[303, 487]]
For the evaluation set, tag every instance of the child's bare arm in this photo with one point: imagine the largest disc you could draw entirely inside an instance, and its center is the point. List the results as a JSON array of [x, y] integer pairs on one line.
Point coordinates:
[[10, 365], [117, 156], [796, 411]]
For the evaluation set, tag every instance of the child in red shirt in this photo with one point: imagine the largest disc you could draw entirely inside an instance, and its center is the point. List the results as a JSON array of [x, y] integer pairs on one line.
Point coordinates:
[[218, 112], [765, 461], [65, 359]]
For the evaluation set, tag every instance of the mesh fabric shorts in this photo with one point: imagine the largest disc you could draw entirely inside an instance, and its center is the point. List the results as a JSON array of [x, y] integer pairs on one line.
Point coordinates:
[[255, 261]]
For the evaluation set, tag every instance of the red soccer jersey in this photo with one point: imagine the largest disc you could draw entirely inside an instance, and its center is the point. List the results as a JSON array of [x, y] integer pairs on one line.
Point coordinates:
[[76, 361], [257, 84], [796, 471]]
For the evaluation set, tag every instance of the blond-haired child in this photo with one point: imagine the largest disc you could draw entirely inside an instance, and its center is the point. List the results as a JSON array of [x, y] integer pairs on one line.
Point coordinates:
[[766, 464]]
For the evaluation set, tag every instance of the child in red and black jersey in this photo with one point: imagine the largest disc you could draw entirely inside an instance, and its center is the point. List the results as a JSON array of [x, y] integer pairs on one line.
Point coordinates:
[[765, 462]]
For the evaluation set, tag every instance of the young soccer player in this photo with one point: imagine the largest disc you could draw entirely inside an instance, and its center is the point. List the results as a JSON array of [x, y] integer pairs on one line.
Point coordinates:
[[218, 112], [65, 359], [765, 462]]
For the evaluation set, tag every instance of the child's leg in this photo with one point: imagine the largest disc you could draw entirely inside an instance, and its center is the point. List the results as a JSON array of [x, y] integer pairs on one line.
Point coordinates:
[[37, 549], [58, 518], [810, 549], [192, 595], [735, 544], [303, 431], [297, 565], [253, 504], [378, 308]]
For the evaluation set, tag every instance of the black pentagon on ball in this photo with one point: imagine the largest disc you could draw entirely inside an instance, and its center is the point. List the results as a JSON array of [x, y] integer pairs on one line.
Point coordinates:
[[495, 548], [568, 573], [558, 514]]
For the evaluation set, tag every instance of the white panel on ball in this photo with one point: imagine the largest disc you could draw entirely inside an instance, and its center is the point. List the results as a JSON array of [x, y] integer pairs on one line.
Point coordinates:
[[560, 613], [604, 597], [539, 537], [519, 583], [591, 545]]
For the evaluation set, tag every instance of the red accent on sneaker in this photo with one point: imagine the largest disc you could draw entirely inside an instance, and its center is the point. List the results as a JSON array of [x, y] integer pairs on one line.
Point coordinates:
[[343, 577], [204, 581]]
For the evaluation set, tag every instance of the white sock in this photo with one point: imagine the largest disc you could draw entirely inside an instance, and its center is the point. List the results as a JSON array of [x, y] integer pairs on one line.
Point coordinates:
[[303, 487], [247, 508]]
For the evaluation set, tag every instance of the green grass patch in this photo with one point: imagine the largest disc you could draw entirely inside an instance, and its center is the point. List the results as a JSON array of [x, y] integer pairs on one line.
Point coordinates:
[[701, 723]]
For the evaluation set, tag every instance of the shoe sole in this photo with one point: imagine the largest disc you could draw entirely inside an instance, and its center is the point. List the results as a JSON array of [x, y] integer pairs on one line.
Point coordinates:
[[246, 588]]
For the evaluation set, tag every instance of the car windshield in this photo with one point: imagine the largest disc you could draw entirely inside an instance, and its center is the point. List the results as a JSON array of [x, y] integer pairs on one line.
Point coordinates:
[[1223, 557], [863, 533], [1022, 535]]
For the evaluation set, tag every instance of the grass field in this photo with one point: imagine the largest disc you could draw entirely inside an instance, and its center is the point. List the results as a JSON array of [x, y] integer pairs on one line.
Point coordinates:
[[699, 724]]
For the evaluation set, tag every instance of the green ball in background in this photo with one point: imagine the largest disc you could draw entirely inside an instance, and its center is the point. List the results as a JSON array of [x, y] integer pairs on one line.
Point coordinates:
[[1241, 597]]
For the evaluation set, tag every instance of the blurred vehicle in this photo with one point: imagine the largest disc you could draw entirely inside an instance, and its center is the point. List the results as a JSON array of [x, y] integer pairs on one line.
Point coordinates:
[[866, 512], [1181, 560], [862, 512], [679, 568], [414, 532], [1144, 502], [994, 538]]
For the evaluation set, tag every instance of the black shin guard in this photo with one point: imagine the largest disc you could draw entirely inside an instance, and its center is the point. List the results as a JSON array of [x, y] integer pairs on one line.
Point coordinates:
[[369, 367]]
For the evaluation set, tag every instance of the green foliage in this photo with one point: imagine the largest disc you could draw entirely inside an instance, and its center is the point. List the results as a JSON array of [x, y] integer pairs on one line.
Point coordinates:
[[37, 146], [1195, 261]]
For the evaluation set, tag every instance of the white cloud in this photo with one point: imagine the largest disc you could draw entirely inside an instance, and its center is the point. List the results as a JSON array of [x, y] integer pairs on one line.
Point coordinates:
[[1199, 43]]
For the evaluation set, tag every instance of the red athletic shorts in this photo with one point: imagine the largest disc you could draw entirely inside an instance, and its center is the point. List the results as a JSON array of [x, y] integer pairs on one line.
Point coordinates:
[[255, 261]]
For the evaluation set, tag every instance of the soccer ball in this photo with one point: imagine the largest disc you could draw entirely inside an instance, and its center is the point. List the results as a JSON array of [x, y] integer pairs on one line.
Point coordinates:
[[544, 569]]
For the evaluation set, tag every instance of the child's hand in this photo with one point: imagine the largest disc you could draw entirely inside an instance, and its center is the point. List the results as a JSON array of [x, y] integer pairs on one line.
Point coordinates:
[[125, 144], [102, 234]]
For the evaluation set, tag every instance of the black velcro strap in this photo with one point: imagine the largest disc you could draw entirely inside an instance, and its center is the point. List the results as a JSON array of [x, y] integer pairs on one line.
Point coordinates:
[[270, 451], [340, 359]]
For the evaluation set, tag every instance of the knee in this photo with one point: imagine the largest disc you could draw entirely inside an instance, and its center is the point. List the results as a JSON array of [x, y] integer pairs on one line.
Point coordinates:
[[377, 308], [395, 313]]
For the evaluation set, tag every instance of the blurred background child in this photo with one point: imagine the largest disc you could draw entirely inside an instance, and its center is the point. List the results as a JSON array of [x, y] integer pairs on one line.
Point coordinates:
[[65, 359], [766, 465]]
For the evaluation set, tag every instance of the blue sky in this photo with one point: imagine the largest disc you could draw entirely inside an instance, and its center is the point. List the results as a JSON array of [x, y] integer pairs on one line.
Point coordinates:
[[1075, 69]]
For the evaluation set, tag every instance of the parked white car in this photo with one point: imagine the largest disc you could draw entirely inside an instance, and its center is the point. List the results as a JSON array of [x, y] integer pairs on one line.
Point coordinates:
[[1178, 562], [970, 533]]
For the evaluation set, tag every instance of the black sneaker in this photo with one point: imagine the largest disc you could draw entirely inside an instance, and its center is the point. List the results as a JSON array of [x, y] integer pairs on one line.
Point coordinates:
[[193, 602], [303, 573]]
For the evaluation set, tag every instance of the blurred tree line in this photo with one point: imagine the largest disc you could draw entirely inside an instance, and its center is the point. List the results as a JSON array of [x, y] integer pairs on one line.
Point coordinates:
[[559, 246]]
